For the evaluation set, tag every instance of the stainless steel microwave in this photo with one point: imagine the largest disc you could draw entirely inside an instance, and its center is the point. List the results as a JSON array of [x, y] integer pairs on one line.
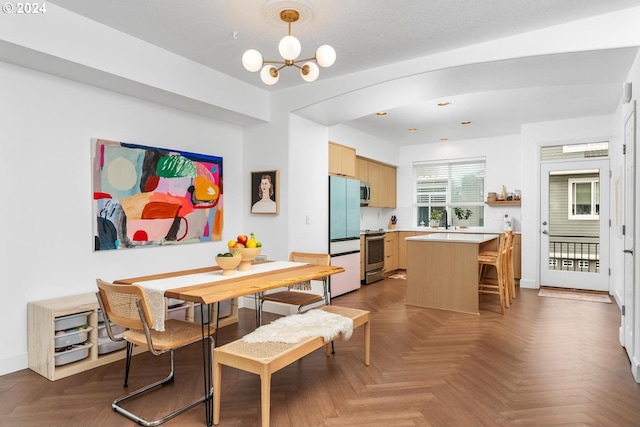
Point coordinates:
[[365, 193]]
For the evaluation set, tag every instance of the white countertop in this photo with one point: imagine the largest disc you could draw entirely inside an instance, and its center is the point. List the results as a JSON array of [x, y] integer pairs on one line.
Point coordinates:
[[457, 230], [454, 238]]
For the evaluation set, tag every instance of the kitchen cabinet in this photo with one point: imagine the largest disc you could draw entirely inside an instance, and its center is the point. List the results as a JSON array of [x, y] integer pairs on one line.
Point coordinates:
[[517, 256], [382, 179], [390, 252], [46, 320], [342, 160], [362, 169], [387, 180]]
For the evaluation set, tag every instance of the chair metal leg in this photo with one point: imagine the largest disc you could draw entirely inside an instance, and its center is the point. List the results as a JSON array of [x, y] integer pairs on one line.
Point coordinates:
[[168, 379], [258, 307], [128, 364]]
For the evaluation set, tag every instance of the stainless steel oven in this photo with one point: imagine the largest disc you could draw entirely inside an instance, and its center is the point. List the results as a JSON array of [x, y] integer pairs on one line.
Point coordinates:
[[373, 256]]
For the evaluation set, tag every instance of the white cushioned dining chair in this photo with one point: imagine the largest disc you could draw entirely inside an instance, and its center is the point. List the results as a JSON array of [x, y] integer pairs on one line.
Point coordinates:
[[127, 307], [295, 294]]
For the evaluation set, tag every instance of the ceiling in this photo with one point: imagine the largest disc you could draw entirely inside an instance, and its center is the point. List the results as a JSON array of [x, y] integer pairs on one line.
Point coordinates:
[[368, 34]]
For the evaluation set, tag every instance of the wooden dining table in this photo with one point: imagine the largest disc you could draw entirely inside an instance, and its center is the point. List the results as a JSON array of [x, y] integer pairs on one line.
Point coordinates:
[[204, 286]]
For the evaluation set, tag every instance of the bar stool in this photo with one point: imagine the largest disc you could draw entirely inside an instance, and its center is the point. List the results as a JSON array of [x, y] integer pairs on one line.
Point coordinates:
[[497, 260], [509, 280]]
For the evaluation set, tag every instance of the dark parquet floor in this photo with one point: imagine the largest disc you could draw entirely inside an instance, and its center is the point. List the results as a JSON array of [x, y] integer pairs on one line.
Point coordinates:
[[546, 362]]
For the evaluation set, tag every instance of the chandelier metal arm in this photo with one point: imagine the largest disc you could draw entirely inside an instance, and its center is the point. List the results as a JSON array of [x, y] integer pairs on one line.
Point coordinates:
[[288, 63], [313, 58]]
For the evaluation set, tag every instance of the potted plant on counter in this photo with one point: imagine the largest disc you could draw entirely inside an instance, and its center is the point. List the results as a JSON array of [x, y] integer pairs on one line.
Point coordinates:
[[434, 218], [463, 216]]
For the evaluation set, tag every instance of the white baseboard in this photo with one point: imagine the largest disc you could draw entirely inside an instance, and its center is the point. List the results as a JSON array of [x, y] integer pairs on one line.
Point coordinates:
[[528, 284], [16, 362]]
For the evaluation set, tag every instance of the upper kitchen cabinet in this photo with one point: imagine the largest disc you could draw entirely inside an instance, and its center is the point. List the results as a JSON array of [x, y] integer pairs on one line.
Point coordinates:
[[342, 160], [362, 169], [383, 183], [388, 199]]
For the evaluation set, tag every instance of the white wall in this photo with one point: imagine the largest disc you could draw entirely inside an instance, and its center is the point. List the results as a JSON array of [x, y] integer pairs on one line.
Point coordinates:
[[365, 145], [308, 169], [47, 248]]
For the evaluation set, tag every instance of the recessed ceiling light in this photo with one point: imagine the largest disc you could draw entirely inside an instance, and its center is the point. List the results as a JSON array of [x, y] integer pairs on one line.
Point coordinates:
[[444, 139], [465, 123], [412, 129], [443, 104], [381, 113]]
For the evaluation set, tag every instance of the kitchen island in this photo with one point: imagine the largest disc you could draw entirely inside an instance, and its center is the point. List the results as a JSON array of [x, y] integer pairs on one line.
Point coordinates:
[[442, 270]]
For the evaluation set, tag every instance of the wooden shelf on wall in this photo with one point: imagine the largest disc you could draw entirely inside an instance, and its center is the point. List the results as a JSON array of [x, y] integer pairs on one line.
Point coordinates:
[[504, 203]]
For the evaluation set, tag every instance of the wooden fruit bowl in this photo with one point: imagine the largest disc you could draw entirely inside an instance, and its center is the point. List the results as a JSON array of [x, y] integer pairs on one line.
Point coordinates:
[[248, 255], [228, 264]]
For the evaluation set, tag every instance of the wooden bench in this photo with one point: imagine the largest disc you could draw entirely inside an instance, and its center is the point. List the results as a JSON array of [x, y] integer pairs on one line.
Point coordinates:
[[266, 358]]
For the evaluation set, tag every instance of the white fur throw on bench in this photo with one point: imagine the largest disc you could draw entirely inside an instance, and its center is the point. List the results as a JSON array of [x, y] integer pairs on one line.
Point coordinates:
[[297, 327]]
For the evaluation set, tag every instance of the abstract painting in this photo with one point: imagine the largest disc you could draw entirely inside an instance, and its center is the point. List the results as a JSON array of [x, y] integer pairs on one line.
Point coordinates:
[[146, 196]]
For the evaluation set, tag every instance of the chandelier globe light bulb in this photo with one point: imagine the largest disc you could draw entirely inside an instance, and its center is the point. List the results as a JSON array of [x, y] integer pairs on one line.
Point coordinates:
[[252, 60], [289, 47], [269, 75], [325, 55], [309, 72]]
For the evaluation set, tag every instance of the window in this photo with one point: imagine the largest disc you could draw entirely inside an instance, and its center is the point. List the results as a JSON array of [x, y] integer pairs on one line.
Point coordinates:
[[584, 198], [442, 186]]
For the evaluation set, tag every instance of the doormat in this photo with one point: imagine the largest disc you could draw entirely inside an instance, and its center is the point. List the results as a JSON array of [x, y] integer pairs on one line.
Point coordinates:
[[575, 294], [398, 276]]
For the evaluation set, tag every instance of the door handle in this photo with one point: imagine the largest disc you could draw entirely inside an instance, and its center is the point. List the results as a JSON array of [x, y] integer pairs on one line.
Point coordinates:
[[628, 251], [544, 222], [545, 232]]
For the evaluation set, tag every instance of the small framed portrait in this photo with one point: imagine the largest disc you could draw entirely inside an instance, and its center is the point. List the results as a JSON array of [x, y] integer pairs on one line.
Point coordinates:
[[265, 192]]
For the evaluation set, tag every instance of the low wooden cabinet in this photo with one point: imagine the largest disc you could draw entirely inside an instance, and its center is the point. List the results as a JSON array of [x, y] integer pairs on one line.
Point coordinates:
[[42, 317], [517, 256], [390, 252]]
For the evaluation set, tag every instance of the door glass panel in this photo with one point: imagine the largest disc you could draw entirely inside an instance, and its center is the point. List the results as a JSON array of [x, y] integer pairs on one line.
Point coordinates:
[[575, 151], [574, 241]]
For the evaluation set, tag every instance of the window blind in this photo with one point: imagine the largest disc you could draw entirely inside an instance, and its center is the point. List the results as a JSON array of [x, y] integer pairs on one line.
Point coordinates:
[[450, 184]]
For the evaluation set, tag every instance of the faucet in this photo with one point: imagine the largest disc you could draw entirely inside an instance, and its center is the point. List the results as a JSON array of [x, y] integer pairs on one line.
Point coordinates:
[[446, 220]]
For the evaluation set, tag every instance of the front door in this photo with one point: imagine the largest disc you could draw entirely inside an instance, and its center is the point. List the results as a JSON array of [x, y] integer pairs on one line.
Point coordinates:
[[574, 224], [629, 235]]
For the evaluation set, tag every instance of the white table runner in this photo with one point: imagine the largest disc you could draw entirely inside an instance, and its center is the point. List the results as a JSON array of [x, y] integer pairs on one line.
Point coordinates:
[[155, 289]]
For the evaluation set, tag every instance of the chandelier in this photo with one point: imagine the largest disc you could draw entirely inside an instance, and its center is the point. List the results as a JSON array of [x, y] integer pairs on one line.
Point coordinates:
[[289, 49]]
